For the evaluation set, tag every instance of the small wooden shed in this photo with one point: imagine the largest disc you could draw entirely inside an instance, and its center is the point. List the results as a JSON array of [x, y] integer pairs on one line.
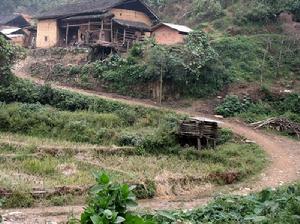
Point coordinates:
[[170, 34], [198, 132]]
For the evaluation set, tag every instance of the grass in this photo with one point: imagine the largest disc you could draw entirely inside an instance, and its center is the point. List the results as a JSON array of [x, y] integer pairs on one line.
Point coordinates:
[[88, 126], [46, 147], [22, 172]]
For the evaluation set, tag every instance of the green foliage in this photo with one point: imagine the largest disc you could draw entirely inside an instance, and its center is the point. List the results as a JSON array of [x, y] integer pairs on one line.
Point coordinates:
[[7, 58], [225, 135], [232, 105], [19, 200], [260, 57], [90, 127], [30, 6], [27, 92], [264, 10], [207, 9], [187, 70], [110, 204], [270, 106], [1, 204], [268, 206]]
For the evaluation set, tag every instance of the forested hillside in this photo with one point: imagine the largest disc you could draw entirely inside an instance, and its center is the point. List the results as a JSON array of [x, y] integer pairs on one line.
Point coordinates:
[[186, 11]]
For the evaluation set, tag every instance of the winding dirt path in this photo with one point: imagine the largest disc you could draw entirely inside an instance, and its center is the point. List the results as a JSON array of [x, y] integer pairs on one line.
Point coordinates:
[[284, 164]]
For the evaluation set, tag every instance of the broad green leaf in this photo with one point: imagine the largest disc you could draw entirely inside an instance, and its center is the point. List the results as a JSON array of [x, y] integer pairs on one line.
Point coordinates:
[[108, 214], [104, 179], [96, 219], [167, 215], [119, 219]]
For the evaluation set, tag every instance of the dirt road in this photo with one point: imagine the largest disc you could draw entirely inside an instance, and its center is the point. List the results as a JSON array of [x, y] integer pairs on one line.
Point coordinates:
[[284, 164]]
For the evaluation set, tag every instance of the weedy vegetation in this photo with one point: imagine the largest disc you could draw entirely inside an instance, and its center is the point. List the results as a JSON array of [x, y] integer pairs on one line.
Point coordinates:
[[109, 203]]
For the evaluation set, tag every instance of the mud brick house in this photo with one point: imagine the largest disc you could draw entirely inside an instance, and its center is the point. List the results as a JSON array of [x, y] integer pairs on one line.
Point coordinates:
[[106, 23], [169, 34], [18, 29]]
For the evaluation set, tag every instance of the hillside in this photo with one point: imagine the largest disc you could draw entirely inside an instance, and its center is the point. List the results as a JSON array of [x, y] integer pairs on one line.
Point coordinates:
[[75, 130]]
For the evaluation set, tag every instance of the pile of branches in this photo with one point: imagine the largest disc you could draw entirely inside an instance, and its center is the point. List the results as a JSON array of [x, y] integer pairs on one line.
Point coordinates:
[[280, 124]]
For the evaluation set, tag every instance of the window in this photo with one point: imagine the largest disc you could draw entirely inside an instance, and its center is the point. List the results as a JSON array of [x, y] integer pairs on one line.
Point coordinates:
[[46, 38]]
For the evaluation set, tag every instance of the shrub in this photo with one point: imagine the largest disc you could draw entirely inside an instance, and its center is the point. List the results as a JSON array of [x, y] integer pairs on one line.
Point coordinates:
[[19, 200], [110, 203], [225, 135], [207, 9], [267, 206], [7, 58], [232, 105]]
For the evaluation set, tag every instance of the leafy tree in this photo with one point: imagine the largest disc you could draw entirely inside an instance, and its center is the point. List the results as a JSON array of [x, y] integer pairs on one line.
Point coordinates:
[[207, 9], [7, 58]]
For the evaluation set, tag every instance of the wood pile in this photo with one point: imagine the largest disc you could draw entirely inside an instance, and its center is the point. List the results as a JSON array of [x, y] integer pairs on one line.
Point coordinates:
[[205, 132], [280, 124]]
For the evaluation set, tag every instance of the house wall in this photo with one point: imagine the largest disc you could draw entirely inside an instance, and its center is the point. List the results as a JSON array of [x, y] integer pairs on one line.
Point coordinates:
[[47, 34], [19, 40], [167, 36], [131, 16]]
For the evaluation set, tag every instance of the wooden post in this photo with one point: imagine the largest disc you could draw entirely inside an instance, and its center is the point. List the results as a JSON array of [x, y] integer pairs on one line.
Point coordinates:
[[199, 146], [67, 34], [161, 85], [111, 32], [101, 30], [124, 36]]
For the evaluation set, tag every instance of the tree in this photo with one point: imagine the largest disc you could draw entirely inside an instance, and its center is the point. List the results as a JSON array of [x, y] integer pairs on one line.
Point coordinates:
[[208, 9], [7, 58], [198, 52]]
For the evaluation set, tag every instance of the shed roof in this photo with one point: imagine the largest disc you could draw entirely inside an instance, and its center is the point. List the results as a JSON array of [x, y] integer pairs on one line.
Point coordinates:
[[9, 30], [14, 18], [179, 28], [89, 17], [92, 7], [3, 35], [6, 18], [132, 24]]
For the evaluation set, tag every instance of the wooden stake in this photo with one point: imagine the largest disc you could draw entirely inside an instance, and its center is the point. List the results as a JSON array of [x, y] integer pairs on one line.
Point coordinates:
[[124, 36], [199, 146], [67, 34], [111, 32], [161, 85]]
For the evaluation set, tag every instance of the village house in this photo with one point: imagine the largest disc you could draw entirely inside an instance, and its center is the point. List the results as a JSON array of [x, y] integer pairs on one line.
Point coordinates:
[[18, 29], [107, 23], [170, 34]]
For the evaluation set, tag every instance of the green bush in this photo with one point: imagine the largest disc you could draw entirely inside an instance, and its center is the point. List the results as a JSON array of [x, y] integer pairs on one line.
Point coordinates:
[[266, 10], [270, 106], [156, 135], [232, 105], [268, 206], [192, 69], [19, 200], [7, 57], [225, 135], [110, 204]]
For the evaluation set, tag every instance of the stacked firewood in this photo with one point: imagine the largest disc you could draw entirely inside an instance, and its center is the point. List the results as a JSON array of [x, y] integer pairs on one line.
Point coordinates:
[[281, 124]]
